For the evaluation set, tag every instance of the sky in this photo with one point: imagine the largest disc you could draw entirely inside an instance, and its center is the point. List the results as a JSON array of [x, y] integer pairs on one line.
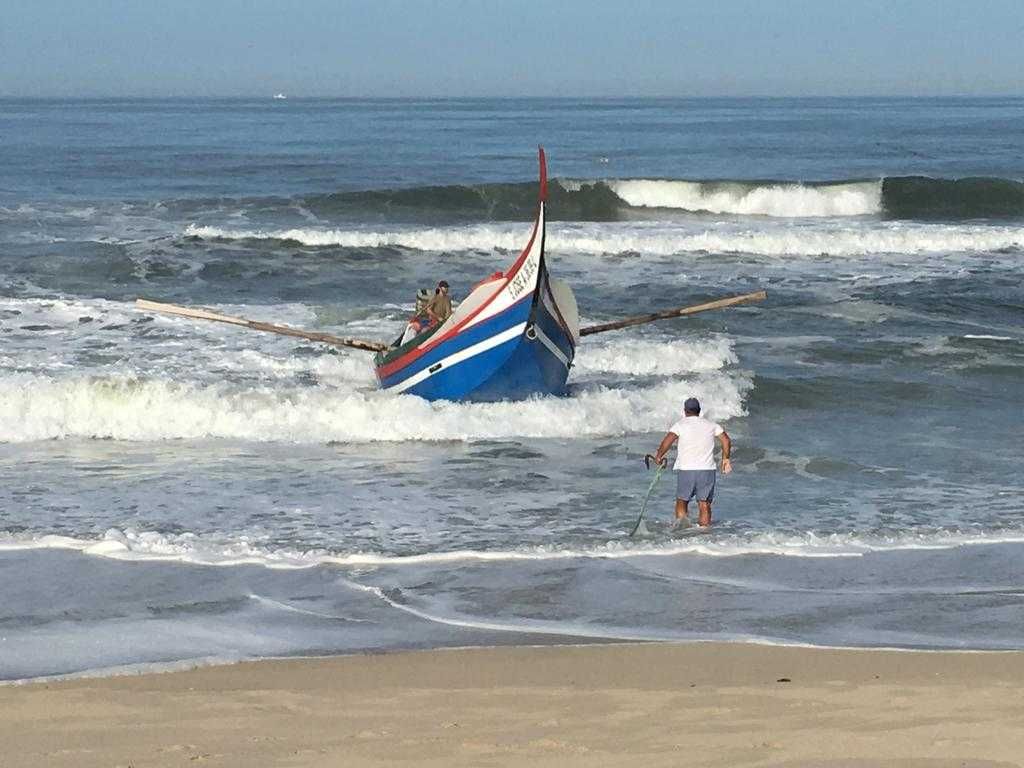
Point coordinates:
[[452, 48]]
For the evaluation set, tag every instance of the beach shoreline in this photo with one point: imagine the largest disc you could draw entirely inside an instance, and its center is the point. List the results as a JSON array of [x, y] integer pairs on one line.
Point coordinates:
[[707, 704]]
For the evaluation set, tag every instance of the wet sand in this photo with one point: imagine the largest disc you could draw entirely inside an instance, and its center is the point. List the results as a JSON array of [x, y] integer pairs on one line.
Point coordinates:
[[613, 705]]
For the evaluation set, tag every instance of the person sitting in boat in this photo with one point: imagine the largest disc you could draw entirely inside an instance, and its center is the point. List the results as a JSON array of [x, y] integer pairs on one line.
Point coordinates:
[[422, 299], [419, 321], [439, 308]]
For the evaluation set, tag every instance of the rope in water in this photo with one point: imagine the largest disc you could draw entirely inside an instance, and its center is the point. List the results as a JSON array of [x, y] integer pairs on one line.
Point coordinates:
[[650, 490]]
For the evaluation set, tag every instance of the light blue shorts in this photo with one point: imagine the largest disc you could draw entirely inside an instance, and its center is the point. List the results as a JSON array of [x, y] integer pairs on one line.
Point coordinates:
[[695, 482]]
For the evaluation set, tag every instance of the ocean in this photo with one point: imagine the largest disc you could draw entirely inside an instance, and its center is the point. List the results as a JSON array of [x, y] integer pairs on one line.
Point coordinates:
[[178, 493]]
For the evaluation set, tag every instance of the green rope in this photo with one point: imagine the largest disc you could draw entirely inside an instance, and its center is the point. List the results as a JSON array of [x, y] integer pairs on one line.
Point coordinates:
[[650, 490]]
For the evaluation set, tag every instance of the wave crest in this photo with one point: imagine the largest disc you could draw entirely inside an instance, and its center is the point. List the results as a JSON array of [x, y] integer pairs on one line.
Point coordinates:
[[122, 408], [658, 240], [902, 197], [784, 200]]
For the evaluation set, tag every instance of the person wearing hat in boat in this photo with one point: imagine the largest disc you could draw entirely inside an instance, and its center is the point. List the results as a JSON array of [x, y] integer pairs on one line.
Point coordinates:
[[439, 308], [695, 460]]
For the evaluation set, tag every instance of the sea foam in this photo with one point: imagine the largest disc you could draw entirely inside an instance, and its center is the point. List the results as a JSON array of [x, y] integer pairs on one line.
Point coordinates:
[[126, 408], [641, 357], [787, 200], [659, 239], [133, 545]]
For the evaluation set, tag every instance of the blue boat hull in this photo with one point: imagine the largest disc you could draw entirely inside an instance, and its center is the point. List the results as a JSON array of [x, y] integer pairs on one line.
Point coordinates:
[[534, 359], [513, 337], [531, 366]]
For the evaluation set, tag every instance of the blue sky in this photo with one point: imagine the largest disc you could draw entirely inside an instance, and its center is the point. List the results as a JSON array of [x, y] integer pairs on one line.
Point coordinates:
[[499, 48]]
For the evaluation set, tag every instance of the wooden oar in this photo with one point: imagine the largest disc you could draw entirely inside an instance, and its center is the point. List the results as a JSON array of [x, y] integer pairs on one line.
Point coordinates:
[[198, 313], [670, 313]]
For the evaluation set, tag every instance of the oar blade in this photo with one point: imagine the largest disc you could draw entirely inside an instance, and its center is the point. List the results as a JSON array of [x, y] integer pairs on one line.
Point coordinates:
[[196, 313]]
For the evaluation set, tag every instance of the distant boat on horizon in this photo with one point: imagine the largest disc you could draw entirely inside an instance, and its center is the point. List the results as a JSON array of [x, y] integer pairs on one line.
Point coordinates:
[[280, 96]]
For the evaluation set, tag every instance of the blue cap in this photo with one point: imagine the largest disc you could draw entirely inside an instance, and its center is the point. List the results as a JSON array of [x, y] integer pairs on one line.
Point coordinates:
[[692, 404]]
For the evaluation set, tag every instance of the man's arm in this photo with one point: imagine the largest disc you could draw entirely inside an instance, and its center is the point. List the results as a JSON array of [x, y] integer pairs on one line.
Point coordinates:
[[726, 451], [432, 308], [666, 442]]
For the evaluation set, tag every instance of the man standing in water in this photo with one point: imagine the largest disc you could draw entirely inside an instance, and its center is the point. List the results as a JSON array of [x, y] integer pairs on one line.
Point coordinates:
[[695, 460]]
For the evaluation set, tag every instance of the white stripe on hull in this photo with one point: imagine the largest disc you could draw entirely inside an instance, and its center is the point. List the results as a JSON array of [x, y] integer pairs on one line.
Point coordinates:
[[459, 357], [521, 284], [544, 339]]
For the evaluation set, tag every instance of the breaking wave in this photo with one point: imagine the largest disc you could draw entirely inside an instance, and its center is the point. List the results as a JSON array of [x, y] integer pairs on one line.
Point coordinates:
[[124, 408], [906, 197], [902, 197], [656, 239], [780, 199], [479, 237], [570, 200]]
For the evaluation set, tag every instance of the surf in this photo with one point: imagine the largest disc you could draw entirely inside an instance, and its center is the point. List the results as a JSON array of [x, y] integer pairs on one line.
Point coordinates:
[[135, 408], [603, 199], [775, 199], [204, 549], [654, 239]]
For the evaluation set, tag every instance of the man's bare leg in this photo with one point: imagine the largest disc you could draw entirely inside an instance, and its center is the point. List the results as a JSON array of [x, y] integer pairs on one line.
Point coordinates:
[[704, 519], [682, 509]]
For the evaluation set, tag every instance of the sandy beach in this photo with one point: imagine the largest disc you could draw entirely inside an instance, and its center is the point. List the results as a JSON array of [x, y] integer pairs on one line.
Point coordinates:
[[652, 705]]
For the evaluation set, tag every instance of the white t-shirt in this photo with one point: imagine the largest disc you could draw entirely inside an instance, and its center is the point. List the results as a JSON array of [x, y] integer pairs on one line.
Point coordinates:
[[696, 447]]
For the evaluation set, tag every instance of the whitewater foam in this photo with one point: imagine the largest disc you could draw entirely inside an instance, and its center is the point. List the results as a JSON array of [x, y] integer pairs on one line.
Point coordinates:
[[330, 369], [151, 546], [426, 239], [786, 200], [654, 358], [125, 408], [663, 239]]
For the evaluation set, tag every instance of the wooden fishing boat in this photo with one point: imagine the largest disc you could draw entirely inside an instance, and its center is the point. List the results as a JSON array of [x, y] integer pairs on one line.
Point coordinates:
[[513, 336]]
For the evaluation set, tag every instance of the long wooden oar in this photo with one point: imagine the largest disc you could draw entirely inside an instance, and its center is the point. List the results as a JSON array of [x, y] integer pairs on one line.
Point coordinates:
[[670, 313], [197, 313]]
